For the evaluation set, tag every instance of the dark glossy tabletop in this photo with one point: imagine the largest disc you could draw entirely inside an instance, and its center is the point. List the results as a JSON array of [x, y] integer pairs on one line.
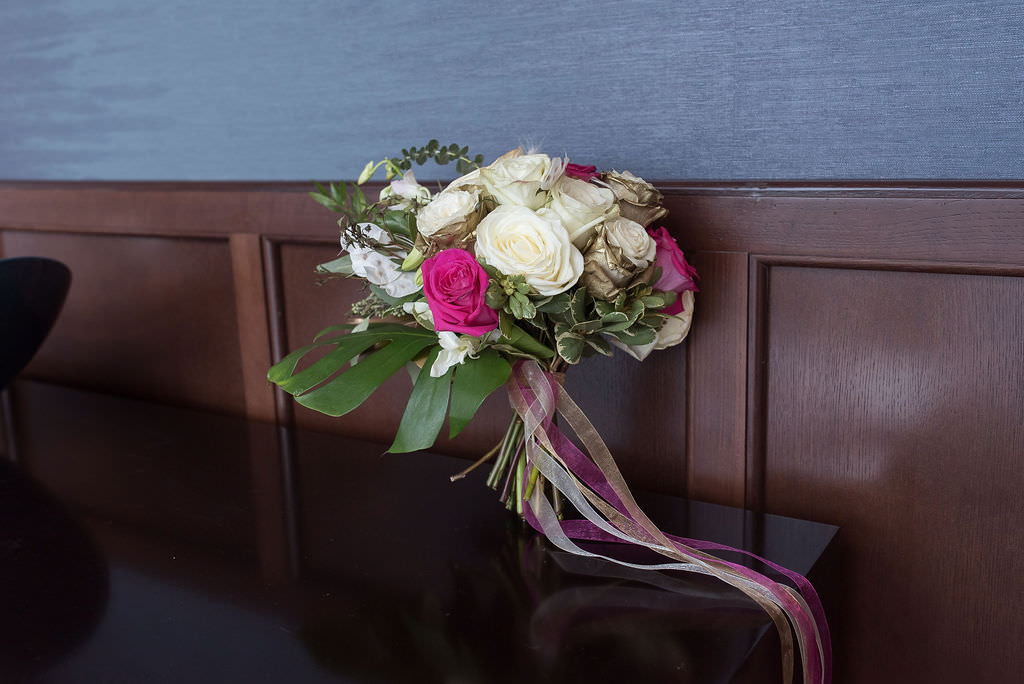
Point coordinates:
[[146, 543]]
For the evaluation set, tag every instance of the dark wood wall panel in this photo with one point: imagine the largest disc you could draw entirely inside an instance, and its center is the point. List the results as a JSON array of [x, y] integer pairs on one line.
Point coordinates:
[[894, 409], [717, 379], [857, 358], [145, 317], [640, 411]]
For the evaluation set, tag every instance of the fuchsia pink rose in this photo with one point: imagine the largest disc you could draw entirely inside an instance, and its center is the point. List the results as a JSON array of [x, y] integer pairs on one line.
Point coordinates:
[[454, 284], [676, 274], [586, 173]]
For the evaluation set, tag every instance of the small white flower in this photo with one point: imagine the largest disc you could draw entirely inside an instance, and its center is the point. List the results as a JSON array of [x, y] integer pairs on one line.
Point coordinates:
[[421, 312], [379, 269], [454, 350], [405, 192]]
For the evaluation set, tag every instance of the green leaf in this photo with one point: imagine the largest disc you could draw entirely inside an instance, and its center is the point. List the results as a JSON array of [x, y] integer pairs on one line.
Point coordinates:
[[339, 191], [326, 201], [636, 336], [283, 369], [599, 344], [653, 301], [474, 381], [557, 304], [400, 223], [615, 321], [669, 298], [340, 266], [351, 388], [348, 347], [570, 347], [333, 329], [578, 304], [516, 337], [495, 298], [587, 327], [425, 411]]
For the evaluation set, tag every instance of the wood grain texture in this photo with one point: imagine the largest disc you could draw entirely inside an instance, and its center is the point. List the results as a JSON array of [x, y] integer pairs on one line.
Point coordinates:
[[894, 405], [717, 380], [145, 316], [253, 329]]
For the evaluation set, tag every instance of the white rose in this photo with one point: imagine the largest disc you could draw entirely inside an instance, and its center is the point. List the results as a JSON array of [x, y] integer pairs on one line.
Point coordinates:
[[582, 206], [632, 240], [673, 331], [471, 181], [446, 209], [516, 178], [518, 241]]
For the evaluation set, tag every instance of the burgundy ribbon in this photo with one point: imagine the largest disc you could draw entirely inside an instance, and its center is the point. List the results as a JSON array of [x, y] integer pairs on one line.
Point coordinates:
[[534, 395]]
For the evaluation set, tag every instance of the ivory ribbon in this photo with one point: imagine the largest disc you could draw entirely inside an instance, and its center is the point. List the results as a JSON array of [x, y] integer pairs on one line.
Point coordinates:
[[596, 488]]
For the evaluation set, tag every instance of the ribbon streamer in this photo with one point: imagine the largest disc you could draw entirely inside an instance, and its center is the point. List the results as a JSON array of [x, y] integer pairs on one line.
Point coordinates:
[[594, 485]]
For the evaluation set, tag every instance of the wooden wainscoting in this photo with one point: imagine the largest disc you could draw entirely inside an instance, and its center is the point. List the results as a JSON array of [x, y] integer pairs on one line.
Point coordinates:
[[857, 358]]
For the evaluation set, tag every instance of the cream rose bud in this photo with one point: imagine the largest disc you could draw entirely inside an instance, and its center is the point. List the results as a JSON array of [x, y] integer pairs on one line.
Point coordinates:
[[446, 210], [581, 206], [516, 178], [469, 182], [534, 244], [632, 241]]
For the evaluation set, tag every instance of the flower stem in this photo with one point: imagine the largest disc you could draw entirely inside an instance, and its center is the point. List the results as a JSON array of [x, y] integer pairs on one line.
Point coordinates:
[[499, 465], [479, 462]]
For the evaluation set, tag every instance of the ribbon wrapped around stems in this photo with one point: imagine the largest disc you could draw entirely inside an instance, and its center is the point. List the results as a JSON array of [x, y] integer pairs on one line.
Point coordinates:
[[594, 485]]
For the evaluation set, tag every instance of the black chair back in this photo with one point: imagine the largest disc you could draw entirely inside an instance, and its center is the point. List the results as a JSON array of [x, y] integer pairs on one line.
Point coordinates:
[[32, 292]]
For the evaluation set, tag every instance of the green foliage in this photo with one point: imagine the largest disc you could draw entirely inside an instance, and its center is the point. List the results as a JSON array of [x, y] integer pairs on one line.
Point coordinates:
[[581, 323], [442, 154], [424, 413], [342, 266], [338, 197], [326, 388], [329, 387], [474, 380]]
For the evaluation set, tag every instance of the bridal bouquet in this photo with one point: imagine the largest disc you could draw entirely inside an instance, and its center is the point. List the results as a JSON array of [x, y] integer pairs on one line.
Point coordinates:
[[504, 278]]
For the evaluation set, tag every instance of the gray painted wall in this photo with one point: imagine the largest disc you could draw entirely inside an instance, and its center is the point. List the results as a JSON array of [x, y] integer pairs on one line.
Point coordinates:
[[268, 90]]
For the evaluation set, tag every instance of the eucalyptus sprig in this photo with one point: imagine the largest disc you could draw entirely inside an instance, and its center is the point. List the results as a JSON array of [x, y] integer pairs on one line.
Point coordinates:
[[442, 154]]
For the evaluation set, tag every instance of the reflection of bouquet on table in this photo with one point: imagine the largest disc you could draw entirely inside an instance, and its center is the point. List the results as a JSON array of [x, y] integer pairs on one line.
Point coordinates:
[[507, 276]]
